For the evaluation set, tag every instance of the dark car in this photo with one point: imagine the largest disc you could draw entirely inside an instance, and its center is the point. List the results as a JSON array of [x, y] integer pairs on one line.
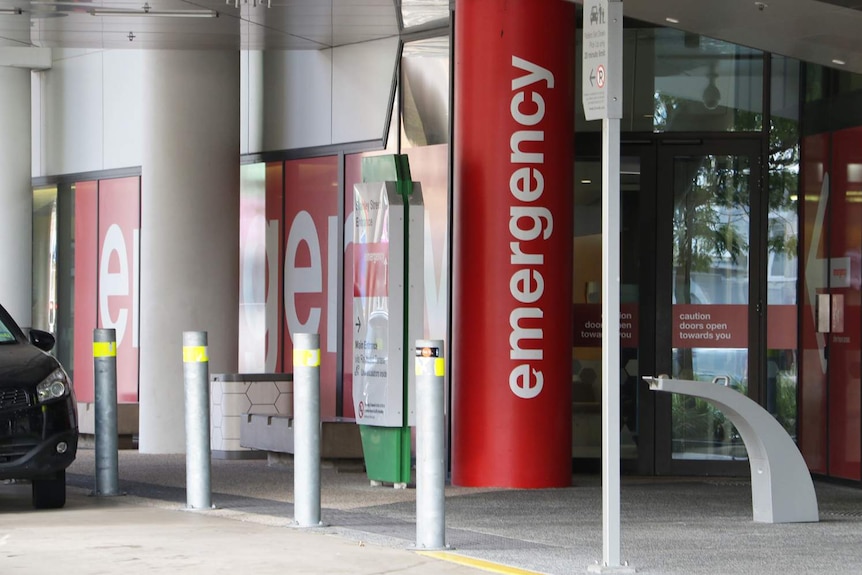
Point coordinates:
[[38, 416]]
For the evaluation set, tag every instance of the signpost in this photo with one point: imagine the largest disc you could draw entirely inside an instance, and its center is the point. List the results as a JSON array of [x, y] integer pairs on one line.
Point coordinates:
[[602, 60], [602, 100]]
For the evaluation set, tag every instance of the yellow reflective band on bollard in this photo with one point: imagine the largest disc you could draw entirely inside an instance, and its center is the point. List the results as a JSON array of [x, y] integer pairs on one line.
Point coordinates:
[[104, 349], [195, 354], [439, 367], [306, 357]]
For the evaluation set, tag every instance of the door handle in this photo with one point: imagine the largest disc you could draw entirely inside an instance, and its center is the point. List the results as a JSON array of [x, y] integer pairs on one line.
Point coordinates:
[[830, 313], [824, 323]]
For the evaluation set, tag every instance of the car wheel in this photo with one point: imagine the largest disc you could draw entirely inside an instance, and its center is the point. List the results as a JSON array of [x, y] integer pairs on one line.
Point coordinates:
[[50, 493]]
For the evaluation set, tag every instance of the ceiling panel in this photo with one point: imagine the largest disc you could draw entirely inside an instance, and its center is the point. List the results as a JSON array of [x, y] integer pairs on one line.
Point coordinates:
[[811, 30], [249, 24]]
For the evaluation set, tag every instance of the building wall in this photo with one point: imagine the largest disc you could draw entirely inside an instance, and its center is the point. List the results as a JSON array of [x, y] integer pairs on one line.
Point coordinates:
[[88, 107], [89, 113], [251, 117], [318, 98], [15, 195]]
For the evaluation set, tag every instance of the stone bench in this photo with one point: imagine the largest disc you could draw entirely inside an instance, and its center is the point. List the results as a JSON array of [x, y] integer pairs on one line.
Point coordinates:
[[233, 396], [252, 417], [274, 434], [127, 424]]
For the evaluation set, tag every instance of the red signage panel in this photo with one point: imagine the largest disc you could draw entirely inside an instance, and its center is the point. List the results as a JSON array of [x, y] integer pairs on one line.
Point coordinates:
[[352, 175], [587, 325], [86, 281], [723, 326], [781, 327], [845, 247], [814, 176], [371, 262], [119, 257], [310, 274], [274, 265]]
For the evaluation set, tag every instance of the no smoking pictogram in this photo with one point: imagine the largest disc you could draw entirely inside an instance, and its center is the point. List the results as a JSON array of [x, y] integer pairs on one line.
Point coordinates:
[[600, 76]]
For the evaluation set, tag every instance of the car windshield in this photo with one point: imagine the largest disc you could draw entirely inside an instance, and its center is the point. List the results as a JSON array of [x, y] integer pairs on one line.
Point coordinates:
[[5, 333]]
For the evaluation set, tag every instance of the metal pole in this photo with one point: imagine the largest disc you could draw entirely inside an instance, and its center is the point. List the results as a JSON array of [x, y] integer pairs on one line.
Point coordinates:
[[105, 369], [196, 381], [306, 407], [611, 343], [430, 449]]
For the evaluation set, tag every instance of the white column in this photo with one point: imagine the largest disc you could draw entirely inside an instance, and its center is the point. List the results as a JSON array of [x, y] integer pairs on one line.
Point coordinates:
[[189, 228], [16, 193]]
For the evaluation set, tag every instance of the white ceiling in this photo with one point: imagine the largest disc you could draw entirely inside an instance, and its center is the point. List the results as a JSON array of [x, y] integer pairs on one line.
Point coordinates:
[[248, 24], [810, 30]]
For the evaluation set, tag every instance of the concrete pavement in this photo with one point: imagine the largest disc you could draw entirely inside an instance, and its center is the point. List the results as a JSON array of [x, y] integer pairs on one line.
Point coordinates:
[[129, 535], [669, 526]]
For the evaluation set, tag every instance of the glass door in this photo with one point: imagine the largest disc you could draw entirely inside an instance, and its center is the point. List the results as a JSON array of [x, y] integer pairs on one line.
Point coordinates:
[[708, 304], [637, 169]]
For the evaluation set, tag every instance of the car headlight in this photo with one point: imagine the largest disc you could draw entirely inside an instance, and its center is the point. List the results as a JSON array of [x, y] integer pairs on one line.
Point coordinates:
[[54, 386]]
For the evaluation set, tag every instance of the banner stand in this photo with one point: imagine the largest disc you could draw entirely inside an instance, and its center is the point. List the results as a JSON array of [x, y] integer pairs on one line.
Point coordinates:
[[388, 307]]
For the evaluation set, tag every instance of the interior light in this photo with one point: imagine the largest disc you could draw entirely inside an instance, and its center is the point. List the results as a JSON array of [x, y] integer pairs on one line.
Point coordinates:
[[586, 181], [11, 11], [671, 20], [147, 11], [711, 94], [839, 62]]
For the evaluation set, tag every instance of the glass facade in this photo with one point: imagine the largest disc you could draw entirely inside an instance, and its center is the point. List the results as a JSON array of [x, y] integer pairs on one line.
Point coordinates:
[[252, 264], [424, 90], [782, 265], [417, 13], [675, 81], [45, 259], [830, 401], [757, 282], [86, 275], [705, 143], [710, 276]]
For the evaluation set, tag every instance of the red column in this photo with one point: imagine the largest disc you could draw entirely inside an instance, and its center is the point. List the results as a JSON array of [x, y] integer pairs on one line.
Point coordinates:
[[514, 161]]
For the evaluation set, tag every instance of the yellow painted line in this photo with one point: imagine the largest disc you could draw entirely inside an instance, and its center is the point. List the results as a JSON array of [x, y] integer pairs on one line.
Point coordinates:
[[477, 563], [195, 354], [306, 357], [104, 349]]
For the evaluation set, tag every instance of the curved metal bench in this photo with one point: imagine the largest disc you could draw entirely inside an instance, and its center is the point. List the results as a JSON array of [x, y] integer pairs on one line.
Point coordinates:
[[781, 487]]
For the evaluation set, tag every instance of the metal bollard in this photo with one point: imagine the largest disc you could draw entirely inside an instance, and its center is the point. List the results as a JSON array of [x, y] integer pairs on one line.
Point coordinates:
[[430, 448], [306, 408], [196, 382], [105, 370]]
